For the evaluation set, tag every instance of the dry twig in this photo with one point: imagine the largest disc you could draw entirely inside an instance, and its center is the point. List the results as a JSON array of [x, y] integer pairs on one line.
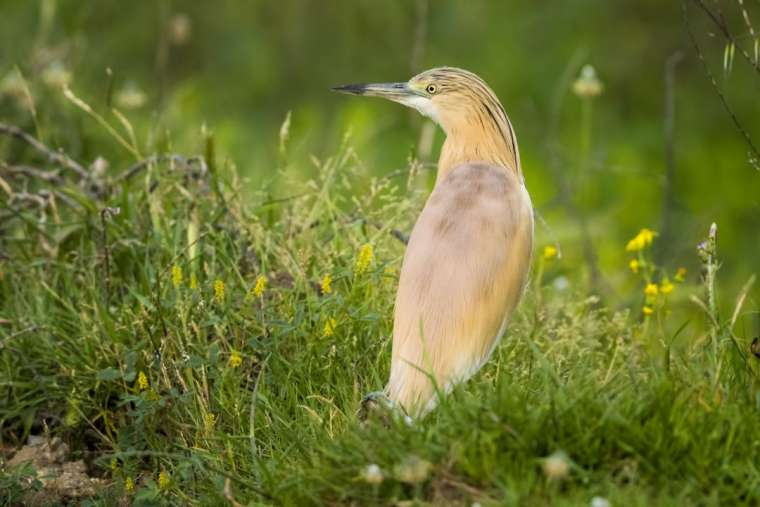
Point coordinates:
[[57, 157]]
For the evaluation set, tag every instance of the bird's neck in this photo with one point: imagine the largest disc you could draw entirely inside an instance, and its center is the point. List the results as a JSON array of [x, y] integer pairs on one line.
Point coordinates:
[[479, 140]]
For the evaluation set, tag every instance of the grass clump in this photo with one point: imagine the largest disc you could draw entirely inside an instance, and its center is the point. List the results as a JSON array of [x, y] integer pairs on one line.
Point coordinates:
[[196, 348]]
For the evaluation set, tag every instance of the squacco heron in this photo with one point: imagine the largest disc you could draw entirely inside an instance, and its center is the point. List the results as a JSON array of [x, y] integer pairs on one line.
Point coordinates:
[[468, 256]]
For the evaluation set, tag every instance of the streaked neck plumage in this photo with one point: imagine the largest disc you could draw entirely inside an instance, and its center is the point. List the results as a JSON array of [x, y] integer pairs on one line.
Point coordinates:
[[479, 131]]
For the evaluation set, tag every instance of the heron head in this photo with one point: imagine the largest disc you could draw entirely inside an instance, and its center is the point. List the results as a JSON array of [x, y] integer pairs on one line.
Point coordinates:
[[446, 95]]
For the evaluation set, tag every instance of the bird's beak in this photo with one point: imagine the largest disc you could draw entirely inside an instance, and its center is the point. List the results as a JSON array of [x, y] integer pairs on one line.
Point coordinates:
[[398, 92]]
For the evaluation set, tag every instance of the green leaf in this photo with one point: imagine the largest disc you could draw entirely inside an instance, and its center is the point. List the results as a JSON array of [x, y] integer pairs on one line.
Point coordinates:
[[109, 374]]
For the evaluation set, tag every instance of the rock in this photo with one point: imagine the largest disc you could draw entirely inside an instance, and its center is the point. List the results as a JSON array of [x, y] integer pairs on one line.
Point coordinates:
[[40, 452], [61, 480]]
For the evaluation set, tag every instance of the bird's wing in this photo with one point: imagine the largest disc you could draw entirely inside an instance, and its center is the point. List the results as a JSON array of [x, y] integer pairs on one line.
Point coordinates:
[[463, 273]]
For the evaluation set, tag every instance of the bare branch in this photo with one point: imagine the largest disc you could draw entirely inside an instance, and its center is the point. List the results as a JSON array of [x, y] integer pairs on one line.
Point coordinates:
[[57, 157], [166, 157], [755, 154], [669, 199], [723, 28], [400, 236], [420, 35], [40, 200], [30, 172]]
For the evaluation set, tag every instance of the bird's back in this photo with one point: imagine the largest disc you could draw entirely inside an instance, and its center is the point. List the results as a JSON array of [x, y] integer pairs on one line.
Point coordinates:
[[463, 273]]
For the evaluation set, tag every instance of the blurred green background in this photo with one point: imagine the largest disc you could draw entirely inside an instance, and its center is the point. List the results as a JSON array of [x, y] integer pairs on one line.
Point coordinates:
[[239, 67]]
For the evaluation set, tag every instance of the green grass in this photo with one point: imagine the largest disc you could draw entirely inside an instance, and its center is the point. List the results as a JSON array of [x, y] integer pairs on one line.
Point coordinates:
[[90, 301]]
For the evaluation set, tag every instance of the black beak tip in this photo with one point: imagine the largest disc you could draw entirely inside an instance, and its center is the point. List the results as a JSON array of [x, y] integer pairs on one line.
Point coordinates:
[[354, 89]]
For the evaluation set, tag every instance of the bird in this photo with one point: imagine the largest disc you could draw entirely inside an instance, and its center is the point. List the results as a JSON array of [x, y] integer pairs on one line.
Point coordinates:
[[468, 256]]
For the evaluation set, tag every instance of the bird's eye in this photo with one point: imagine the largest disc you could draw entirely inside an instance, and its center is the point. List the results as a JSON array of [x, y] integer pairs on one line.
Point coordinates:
[[431, 89]]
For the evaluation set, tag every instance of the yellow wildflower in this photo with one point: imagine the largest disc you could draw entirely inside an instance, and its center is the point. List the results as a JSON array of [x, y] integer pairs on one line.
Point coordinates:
[[219, 291], [330, 325], [193, 281], [666, 287], [550, 252], [327, 284], [634, 265], [680, 275], [261, 286], [651, 290], [235, 360], [364, 259], [209, 420], [634, 245], [114, 464], [642, 240], [176, 276], [129, 485], [647, 311], [647, 236], [163, 479], [142, 381]]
